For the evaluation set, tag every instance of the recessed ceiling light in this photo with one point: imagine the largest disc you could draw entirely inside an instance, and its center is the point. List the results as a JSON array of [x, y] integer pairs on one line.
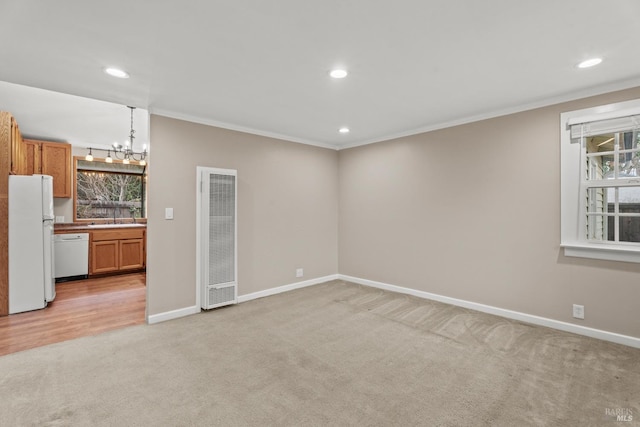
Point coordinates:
[[344, 130], [116, 72], [338, 73], [589, 62]]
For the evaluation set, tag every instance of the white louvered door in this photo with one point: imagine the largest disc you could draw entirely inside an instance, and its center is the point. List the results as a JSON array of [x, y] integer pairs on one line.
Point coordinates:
[[218, 237]]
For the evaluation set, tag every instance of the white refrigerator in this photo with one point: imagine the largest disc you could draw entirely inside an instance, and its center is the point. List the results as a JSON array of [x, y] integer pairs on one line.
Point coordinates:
[[31, 275]]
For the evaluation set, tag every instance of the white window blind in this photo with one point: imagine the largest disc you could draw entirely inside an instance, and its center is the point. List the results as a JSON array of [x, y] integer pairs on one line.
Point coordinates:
[[601, 127]]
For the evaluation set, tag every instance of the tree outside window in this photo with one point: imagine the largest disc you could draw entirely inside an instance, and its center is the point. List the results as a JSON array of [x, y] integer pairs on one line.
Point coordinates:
[[109, 191]]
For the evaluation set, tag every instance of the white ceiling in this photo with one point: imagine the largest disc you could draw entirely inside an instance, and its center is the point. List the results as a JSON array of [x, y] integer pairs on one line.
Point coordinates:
[[83, 122], [261, 66]]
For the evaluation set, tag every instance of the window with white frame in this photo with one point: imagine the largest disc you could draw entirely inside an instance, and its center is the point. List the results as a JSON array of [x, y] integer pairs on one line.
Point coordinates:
[[600, 196]]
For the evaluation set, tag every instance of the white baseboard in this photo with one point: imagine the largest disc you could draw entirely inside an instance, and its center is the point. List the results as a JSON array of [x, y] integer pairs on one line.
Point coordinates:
[[173, 314], [285, 288], [523, 317], [181, 312]]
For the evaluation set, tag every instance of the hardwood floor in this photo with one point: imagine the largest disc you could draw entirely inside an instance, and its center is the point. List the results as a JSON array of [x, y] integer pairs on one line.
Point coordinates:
[[81, 308]]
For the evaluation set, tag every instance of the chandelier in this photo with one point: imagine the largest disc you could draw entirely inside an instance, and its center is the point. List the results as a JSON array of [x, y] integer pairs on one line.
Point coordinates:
[[124, 152]]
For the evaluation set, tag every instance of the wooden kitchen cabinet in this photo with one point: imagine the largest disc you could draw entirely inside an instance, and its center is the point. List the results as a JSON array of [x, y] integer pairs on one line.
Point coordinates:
[[116, 250], [50, 158], [104, 257], [32, 162], [131, 254], [18, 152], [12, 162]]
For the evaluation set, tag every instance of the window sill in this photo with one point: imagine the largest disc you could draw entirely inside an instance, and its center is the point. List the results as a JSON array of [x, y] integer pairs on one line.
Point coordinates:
[[602, 251]]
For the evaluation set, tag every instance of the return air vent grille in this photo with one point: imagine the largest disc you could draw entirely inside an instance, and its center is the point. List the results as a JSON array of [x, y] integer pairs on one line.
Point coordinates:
[[221, 295], [222, 217], [218, 251]]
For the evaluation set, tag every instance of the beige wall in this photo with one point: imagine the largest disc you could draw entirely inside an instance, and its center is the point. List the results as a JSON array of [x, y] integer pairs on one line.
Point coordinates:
[[470, 212], [287, 209], [473, 212]]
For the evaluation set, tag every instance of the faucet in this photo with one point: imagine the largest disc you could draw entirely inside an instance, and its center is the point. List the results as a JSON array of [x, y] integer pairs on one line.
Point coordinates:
[[114, 215]]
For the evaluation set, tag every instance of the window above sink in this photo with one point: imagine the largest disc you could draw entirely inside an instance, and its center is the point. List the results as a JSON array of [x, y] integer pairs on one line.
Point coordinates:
[[109, 192]]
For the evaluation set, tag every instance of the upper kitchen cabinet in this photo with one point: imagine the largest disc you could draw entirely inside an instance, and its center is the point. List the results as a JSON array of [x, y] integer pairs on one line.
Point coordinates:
[[18, 154], [50, 158]]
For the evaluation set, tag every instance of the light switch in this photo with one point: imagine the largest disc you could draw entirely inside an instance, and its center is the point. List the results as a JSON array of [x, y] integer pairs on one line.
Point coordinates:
[[168, 213]]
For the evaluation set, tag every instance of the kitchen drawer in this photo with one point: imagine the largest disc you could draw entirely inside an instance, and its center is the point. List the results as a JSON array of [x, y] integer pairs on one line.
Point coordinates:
[[117, 234]]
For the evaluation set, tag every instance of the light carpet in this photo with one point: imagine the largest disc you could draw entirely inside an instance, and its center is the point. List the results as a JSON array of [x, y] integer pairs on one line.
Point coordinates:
[[330, 354]]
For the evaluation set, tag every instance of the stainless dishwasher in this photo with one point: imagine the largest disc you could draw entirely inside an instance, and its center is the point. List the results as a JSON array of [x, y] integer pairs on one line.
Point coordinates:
[[71, 256]]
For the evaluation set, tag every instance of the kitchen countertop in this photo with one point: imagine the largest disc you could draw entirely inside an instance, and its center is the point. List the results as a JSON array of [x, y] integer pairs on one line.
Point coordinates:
[[82, 226]]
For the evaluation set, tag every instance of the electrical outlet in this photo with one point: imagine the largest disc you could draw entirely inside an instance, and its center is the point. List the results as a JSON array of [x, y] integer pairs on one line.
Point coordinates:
[[578, 311], [299, 272]]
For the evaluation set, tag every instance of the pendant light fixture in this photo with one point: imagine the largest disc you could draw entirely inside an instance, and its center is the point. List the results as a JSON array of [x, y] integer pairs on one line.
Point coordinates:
[[124, 152]]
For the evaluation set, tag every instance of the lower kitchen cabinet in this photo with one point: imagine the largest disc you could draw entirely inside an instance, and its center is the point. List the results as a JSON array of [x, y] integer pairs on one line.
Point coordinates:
[[131, 254], [104, 256], [117, 250]]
